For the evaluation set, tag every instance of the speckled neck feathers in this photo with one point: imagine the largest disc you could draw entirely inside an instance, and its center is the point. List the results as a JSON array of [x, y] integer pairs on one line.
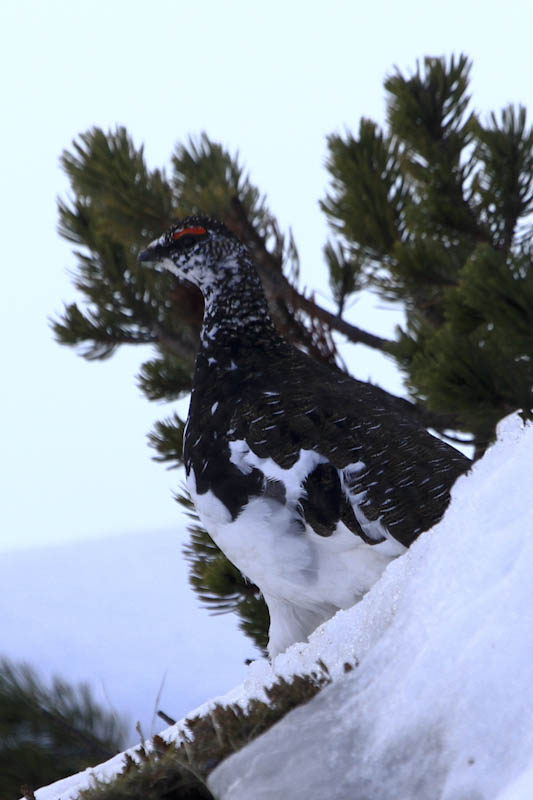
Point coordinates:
[[235, 305]]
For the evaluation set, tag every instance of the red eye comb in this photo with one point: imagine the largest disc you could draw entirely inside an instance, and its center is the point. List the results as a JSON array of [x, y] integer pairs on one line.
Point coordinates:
[[197, 231]]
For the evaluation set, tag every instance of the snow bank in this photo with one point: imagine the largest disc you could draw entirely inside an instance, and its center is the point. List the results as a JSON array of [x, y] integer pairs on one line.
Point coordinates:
[[440, 704]]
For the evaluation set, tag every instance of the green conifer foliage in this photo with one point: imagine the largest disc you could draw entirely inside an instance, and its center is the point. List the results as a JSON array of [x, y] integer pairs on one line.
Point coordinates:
[[436, 214], [48, 732], [433, 212]]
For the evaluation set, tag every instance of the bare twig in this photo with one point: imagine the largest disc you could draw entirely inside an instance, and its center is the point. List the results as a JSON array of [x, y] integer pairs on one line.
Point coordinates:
[[278, 287], [165, 717]]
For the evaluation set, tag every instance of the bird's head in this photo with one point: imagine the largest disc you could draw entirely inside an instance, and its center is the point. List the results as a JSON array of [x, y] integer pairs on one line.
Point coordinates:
[[196, 249]]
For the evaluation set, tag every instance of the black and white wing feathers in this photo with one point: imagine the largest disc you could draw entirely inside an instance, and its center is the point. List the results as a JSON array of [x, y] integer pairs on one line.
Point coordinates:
[[357, 459]]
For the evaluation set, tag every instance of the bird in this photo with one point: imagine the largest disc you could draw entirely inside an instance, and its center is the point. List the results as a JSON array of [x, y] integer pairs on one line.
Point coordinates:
[[310, 481]]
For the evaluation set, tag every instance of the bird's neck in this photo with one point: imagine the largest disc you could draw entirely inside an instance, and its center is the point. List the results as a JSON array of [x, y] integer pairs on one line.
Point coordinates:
[[236, 307]]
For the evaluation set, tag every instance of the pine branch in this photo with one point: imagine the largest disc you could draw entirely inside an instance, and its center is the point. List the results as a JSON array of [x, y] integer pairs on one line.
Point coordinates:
[[278, 287], [49, 731], [91, 743], [352, 332]]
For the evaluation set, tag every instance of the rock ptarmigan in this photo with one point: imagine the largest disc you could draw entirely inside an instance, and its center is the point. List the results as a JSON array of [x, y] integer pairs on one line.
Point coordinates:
[[309, 481]]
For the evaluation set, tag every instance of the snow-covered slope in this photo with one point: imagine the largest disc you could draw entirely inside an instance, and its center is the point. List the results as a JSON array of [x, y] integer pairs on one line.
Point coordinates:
[[118, 613], [440, 704]]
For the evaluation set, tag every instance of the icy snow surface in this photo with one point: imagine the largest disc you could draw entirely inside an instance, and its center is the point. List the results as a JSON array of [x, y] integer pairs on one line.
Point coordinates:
[[440, 704]]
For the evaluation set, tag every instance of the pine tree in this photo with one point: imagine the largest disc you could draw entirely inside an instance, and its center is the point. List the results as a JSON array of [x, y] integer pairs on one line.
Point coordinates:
[[432, 213], [48, 732], [435, 213]]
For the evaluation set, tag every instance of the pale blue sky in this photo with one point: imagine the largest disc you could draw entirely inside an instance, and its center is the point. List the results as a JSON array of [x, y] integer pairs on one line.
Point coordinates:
[[271, 80]]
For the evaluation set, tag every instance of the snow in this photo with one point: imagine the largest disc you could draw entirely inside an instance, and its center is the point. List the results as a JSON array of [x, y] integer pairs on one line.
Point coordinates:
[[439, 705]]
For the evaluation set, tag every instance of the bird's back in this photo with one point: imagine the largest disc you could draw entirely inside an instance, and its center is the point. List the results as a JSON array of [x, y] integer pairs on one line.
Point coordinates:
[[280, 403]]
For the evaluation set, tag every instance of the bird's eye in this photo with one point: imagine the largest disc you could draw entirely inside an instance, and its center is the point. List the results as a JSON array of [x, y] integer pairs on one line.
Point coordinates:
[[186, 240], [188, 236]]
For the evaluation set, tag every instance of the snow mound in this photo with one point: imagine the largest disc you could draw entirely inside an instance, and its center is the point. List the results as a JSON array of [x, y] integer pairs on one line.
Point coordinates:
[[440, 703]]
